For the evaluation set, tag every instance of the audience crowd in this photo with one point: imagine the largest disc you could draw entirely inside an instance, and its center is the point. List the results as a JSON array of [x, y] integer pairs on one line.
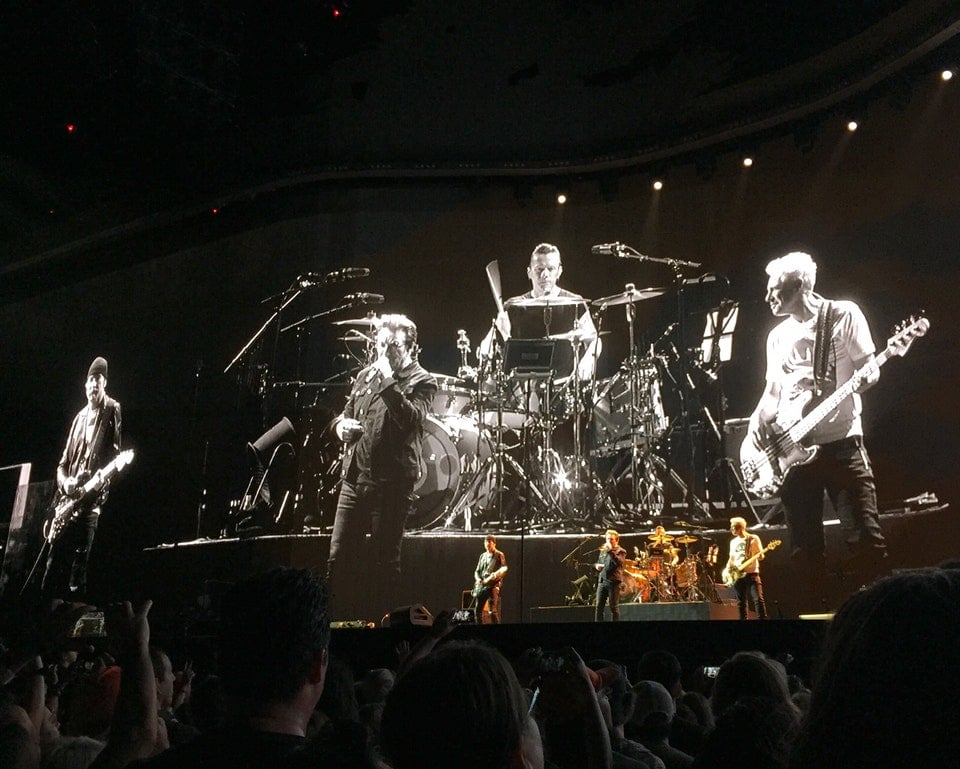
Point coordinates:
[[885, 693]]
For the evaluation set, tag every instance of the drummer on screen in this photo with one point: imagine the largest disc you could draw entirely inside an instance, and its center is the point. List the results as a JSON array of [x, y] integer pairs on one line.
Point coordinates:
[[535, 315]]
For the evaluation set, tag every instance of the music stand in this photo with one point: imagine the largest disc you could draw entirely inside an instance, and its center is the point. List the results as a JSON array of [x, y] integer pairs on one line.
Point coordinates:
[[717, 349]]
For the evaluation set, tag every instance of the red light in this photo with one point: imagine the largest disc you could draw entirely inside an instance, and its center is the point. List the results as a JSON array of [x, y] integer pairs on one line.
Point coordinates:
[[336, 13], [70, 128], [214, 211]]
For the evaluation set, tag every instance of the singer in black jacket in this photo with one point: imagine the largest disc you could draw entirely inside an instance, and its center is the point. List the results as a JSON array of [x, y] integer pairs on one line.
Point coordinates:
[[382, 429], [610, 567]]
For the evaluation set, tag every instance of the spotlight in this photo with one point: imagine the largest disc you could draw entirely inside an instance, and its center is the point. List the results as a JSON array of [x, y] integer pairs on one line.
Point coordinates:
[[658, 184], [747, 161], [946, 75], [561, 198], [852, 125]]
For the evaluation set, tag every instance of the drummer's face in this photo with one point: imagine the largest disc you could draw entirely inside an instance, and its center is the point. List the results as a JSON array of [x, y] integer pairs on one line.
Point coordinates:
[[544, 272]]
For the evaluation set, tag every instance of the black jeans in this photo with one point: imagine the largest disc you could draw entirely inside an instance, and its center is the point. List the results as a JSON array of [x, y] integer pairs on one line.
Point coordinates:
[[750, 585], [380, 510], [607, 590], [843, 470], [488, 605], [66, 573]]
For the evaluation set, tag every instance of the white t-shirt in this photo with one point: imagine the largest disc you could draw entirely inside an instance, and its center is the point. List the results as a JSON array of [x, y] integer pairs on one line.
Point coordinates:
[[790, 364]]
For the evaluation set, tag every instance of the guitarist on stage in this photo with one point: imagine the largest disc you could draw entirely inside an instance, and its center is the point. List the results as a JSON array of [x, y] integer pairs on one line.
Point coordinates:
[[745, 546], [93, 441], [487, 580], [815, 349]]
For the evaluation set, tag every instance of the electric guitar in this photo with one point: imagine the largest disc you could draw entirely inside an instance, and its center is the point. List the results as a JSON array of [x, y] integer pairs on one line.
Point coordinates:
[[731, 574], [765, 468], [66, 508]]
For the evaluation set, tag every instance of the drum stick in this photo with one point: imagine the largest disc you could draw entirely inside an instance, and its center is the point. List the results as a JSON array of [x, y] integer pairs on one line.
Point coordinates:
[[493, 276]]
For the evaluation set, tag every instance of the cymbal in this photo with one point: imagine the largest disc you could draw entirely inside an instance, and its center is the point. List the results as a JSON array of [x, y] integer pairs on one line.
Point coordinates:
[[660, 539], [370, 321], [628, 297], [687, 525], [545, 301], [686, 539], [577, 335]]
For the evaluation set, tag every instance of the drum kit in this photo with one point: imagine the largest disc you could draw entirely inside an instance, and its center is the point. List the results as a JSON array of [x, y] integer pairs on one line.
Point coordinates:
[[514, 443], [670, 568]]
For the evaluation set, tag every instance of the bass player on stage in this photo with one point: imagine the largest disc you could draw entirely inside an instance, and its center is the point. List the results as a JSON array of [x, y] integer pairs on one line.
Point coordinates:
[[746, 552], [487, 581], [817, 347]]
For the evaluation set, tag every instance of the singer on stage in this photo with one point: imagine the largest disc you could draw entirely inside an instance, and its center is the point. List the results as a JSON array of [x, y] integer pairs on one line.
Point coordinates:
[[610, 567], [382, 429]]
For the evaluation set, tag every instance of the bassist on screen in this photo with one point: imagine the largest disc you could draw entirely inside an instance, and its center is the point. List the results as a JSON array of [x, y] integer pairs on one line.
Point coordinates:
[[817, 347], [746, 552], [93, 440]]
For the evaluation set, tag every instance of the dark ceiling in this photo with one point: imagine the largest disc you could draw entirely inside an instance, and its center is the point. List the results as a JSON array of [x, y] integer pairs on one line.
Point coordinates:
[[174, 105]]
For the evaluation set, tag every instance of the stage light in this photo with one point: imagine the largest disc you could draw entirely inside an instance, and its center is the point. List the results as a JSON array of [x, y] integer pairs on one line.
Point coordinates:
[[852, 125], [70, 127], [561, 198], [658, 184], [946, 75], [747, 161], [214, 211]]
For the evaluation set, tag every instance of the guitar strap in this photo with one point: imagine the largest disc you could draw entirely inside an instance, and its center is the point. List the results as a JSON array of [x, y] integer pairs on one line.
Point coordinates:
[[821, 346]]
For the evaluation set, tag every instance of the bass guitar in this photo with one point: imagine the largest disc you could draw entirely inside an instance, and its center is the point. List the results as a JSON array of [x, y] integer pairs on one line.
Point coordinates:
[[66, 508], [765, 468], [731, 574]]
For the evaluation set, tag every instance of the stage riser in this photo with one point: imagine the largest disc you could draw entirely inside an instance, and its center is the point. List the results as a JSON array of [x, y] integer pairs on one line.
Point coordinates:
[[638, 612]]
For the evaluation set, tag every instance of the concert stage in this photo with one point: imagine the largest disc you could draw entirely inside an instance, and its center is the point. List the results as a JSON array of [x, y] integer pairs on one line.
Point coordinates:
[[438, 566]]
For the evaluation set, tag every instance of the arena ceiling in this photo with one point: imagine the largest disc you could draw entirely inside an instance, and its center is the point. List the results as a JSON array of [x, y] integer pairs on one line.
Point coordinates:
[[116, 114]]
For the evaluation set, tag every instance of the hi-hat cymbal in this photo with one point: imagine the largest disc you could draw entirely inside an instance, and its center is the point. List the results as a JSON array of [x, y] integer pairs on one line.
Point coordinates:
[[372, 320], [686, 539], [545, 301], [628, 297]]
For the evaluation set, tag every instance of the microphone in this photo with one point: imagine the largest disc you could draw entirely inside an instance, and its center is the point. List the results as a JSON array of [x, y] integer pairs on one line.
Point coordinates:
[[346, 274], [615, 249], [364, 298], [316, 279]]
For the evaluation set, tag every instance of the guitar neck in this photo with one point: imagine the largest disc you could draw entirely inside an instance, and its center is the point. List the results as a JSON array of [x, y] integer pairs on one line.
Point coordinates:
[[800, 430]]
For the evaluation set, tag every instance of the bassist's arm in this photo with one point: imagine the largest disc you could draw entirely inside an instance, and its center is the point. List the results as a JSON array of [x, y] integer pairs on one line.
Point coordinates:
[[764, 413]]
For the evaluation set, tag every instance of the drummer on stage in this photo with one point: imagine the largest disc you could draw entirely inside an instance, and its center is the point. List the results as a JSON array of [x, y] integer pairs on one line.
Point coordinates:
[[660, 545], [547, 310]]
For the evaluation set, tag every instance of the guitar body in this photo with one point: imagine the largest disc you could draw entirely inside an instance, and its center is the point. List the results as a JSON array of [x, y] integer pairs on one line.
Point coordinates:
[[765, 469], [731, 574]]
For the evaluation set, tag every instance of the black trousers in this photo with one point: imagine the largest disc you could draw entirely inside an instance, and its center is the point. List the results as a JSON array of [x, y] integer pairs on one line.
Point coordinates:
[[66, 572], [608, 590], [488, 605], [750, 585]]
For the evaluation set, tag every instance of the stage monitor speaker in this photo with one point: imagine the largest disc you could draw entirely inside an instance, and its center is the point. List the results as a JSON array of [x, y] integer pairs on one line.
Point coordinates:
[[408, 616]]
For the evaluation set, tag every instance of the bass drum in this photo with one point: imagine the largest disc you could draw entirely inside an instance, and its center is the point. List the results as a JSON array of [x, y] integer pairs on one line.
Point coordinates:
[[635, 587], [452, 447]]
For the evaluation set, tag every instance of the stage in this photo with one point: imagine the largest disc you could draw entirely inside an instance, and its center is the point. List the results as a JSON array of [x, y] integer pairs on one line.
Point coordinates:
[[544, 569]]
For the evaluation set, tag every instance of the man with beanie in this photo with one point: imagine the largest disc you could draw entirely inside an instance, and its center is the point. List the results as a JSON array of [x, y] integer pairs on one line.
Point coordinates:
[[93, 441]]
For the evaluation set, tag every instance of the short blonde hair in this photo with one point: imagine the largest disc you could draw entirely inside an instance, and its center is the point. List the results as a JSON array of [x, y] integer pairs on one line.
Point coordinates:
[[613, 533], [796, 264]]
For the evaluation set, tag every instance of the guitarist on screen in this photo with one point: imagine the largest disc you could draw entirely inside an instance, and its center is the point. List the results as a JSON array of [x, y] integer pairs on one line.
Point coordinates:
[[815, 349], [93, 440], [746, 552]]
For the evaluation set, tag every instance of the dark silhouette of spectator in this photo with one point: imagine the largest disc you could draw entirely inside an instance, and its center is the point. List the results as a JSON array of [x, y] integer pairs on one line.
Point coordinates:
[[459, 707], [887, 690], [663, 667], [752, 733], [272, 642], [653, 716], [617, 703], [749, 674], [170, 696]]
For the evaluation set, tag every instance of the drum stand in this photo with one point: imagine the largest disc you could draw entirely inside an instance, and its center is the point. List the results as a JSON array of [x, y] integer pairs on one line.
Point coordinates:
[[490, 475]]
